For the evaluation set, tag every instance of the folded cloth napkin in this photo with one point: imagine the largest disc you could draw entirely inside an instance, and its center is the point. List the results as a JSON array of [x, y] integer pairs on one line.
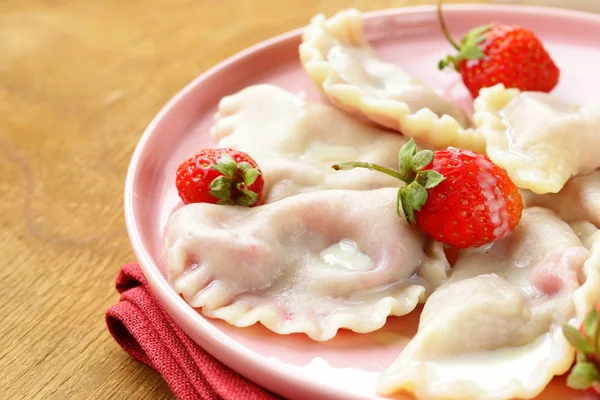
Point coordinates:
[[144, 330]]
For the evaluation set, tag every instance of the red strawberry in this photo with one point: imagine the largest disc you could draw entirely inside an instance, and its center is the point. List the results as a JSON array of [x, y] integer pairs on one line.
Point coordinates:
[[506, 54], [585, 374], [458, 197], [222, 176]]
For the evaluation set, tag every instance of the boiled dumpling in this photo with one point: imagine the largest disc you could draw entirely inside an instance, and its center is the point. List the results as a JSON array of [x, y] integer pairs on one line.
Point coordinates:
[[492, 331], [578, 200], [340, 62], [296, 142], [538, 139], [311, 263]]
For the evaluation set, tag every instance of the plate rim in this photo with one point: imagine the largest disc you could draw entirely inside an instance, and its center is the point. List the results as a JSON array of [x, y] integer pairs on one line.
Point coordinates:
[[168, 298]]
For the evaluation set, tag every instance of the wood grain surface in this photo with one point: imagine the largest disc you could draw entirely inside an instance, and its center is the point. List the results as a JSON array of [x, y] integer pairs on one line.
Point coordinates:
[[79, 82]]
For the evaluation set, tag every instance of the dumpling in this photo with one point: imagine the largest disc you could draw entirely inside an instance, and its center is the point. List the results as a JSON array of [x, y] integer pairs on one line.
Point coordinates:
[[336, 56], [295, 143], [579, 199], [311, 263], [539, 140], [492, 330]]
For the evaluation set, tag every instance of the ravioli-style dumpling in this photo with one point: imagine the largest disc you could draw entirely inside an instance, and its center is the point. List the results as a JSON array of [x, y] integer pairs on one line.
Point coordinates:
[[311, 263], [295, 142], [492, 331], [538, 139], [578, 200], [340, 62]]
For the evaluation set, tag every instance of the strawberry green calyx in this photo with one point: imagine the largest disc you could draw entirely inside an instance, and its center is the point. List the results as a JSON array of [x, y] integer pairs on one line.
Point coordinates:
[[232, 187], [585, 373], [411, 162], [468, 49]]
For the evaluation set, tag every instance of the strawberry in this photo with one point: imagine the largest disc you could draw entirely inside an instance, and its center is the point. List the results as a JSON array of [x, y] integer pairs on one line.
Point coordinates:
[[499, 53], [222, 176], [456, 196], [585, 374]]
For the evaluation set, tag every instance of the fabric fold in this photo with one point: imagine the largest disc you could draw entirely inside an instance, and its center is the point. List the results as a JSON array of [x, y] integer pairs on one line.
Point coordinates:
[[141, 326]]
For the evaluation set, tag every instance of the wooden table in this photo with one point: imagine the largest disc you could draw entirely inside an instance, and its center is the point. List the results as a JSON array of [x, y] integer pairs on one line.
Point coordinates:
[[79, 81]]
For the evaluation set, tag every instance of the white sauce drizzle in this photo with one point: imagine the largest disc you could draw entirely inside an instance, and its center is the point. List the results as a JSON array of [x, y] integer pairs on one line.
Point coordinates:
[[346, 253]]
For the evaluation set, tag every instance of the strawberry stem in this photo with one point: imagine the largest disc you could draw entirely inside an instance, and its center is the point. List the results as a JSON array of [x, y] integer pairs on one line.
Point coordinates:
[[445, 27], [411, 171], [372, 167]]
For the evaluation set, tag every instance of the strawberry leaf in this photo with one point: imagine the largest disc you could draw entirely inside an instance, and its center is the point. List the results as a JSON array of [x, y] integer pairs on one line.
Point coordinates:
[[419, 195], [244, 166], [429, 178], [247, 198], [405, 160], [590, 325], [422, 159], [220, 188], [409, 213], [582, 376], [597, 343], [220, 183], [476, 35], [445, 62], [226, 165], [412, 198], [577, 340], [250, 175], [469, 47], [471, 51]]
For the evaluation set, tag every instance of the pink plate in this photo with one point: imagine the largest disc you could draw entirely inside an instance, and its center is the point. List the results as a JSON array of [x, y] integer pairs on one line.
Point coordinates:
[[293, 366]]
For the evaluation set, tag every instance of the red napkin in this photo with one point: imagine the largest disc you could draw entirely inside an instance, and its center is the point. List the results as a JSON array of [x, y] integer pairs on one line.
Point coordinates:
[[144, 330]]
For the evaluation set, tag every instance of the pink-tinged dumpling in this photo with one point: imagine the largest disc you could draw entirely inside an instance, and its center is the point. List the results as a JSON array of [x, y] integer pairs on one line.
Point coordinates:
[[311, 263], [296, 142], [578, 200], [538, 139], [338, 59], [492, 331]]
